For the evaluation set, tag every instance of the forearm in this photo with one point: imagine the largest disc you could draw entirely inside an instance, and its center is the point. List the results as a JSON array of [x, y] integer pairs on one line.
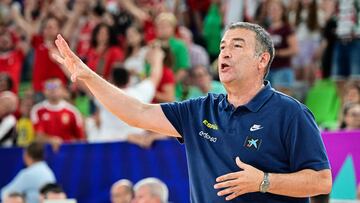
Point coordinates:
[[304, 183]]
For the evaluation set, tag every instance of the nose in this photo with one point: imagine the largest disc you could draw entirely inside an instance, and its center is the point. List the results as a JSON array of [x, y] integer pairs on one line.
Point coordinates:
[[225, 53]]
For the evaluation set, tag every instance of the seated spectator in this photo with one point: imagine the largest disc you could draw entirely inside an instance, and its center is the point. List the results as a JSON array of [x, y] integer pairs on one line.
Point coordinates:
[[122, 191], [151, 190], [8, 101], [29, 180], [203, 83], [55, 120], [351, 117], [52, 191], [14, 198]]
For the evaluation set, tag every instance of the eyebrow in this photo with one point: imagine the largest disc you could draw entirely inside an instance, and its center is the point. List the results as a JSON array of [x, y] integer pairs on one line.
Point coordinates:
[[234, 39]]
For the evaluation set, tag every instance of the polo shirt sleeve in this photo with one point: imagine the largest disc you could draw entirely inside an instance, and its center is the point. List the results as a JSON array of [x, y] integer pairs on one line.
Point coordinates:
[[178, 114], [304, 143]]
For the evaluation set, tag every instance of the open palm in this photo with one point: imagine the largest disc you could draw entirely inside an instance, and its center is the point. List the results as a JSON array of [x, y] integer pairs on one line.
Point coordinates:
[[71, 63]]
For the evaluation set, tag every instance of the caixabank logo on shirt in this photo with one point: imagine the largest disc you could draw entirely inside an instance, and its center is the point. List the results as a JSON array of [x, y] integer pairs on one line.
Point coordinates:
[[252, 143], [206, 135]]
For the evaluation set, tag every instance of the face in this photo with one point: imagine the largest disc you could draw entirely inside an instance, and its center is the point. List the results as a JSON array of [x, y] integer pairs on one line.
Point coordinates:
[[352, 96], [352, 118], [275, 11], [133, 37], [53, 90], [164, 29], [143, 195], [51, 29], [103, 35], [121, 194], [13, 200], [54, 195], [201, 76], [237, 60], [5, 42]]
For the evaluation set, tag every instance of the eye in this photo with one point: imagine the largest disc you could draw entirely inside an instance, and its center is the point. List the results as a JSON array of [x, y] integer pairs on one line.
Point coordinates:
[[222, 47], [238, 46]]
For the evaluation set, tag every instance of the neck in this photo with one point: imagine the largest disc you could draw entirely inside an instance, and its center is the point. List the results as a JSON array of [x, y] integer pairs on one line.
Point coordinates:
[[276, 24], [241, 94], [54, 102]]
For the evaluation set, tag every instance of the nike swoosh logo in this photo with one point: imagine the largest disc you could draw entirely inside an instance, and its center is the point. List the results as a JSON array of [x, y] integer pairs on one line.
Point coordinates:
[[255, 128]]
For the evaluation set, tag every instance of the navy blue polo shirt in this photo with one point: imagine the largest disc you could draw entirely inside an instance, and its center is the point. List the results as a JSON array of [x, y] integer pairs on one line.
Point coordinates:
[[273, 132]]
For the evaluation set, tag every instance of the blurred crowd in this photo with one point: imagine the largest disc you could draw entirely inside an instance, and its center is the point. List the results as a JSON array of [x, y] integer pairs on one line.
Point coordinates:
[[317, 60]]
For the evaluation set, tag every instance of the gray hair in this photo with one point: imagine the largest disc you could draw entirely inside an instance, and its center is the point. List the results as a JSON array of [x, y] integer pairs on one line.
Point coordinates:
[[156, 187], [263, 40]]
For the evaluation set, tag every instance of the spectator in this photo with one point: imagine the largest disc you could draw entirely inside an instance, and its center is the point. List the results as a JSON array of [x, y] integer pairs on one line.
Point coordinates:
[[351, 117], [136, 52], [104, 51], [351, 93], [151, 190], [6, 83], [203, 83], [42, 33], [122, 191], [24, 126], [165, 30], [14, 198], [55, 120], [8, 101], [198, 55], [51, 191], [281, 74], [29, 180]]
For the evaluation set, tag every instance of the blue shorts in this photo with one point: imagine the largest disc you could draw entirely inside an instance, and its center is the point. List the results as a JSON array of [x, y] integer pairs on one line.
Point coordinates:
[[283, 77], [346, 60]]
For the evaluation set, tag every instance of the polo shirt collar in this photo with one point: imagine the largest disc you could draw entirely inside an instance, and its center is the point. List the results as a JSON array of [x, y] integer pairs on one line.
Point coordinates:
[[255, 103]]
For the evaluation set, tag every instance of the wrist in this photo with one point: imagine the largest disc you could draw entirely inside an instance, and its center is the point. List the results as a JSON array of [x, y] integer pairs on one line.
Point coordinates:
[[265, 183]]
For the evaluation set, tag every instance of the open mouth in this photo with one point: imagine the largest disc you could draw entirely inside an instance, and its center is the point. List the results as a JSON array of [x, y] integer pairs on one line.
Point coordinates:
[[224, 65]]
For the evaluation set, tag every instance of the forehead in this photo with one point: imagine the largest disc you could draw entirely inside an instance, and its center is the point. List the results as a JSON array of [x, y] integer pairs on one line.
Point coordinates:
[[247, 36]]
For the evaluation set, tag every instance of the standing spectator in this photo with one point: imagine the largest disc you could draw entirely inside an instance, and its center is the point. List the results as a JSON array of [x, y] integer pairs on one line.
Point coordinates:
[[24, 126], [351, 117], [151, 190], [55, 120], [29, 180], [11, 58], [42, 34], [165, 31], [104, 51], [8, 101], [281, 74], [122, 191], [198, 55]]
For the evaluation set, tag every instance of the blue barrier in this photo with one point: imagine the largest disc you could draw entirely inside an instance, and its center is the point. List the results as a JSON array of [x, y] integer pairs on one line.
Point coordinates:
[[86, 171]]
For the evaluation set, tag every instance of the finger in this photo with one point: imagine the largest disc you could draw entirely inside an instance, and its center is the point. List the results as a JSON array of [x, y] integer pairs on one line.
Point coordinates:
[[237, 193], [239, 163], [227, 191], [66, 49], [58, 58], [228, 176], [73, 77], [226, 184], [59, 47]]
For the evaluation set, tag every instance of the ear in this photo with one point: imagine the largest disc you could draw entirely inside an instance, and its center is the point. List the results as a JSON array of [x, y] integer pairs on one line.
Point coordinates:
[[264, 60]]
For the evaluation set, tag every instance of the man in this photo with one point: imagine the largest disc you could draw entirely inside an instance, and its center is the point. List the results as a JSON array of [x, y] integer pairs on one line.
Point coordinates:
[[122, 191], [8, 101], [29, 180], [55, 120], [273, 134], [151, 190], [14, 198], [52, 191]]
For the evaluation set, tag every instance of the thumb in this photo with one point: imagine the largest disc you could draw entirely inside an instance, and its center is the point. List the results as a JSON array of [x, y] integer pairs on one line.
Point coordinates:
[[240, 164]]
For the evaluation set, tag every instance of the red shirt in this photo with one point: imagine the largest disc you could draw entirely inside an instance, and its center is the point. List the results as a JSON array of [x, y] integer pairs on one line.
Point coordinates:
[[167, 78], [279, 37], [104, 61], [62, 120], [83, 44], [11, 63], [44, 66]]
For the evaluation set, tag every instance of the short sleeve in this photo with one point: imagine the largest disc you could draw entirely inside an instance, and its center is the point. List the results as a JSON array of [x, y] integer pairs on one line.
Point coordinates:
[[304, 143]]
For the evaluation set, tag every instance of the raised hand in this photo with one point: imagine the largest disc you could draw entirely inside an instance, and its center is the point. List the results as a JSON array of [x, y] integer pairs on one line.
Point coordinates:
[[70, 62], [241, 182]]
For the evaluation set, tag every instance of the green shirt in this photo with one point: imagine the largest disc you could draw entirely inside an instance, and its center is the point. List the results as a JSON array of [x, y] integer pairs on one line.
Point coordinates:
[[216, 87], [180, 53]]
